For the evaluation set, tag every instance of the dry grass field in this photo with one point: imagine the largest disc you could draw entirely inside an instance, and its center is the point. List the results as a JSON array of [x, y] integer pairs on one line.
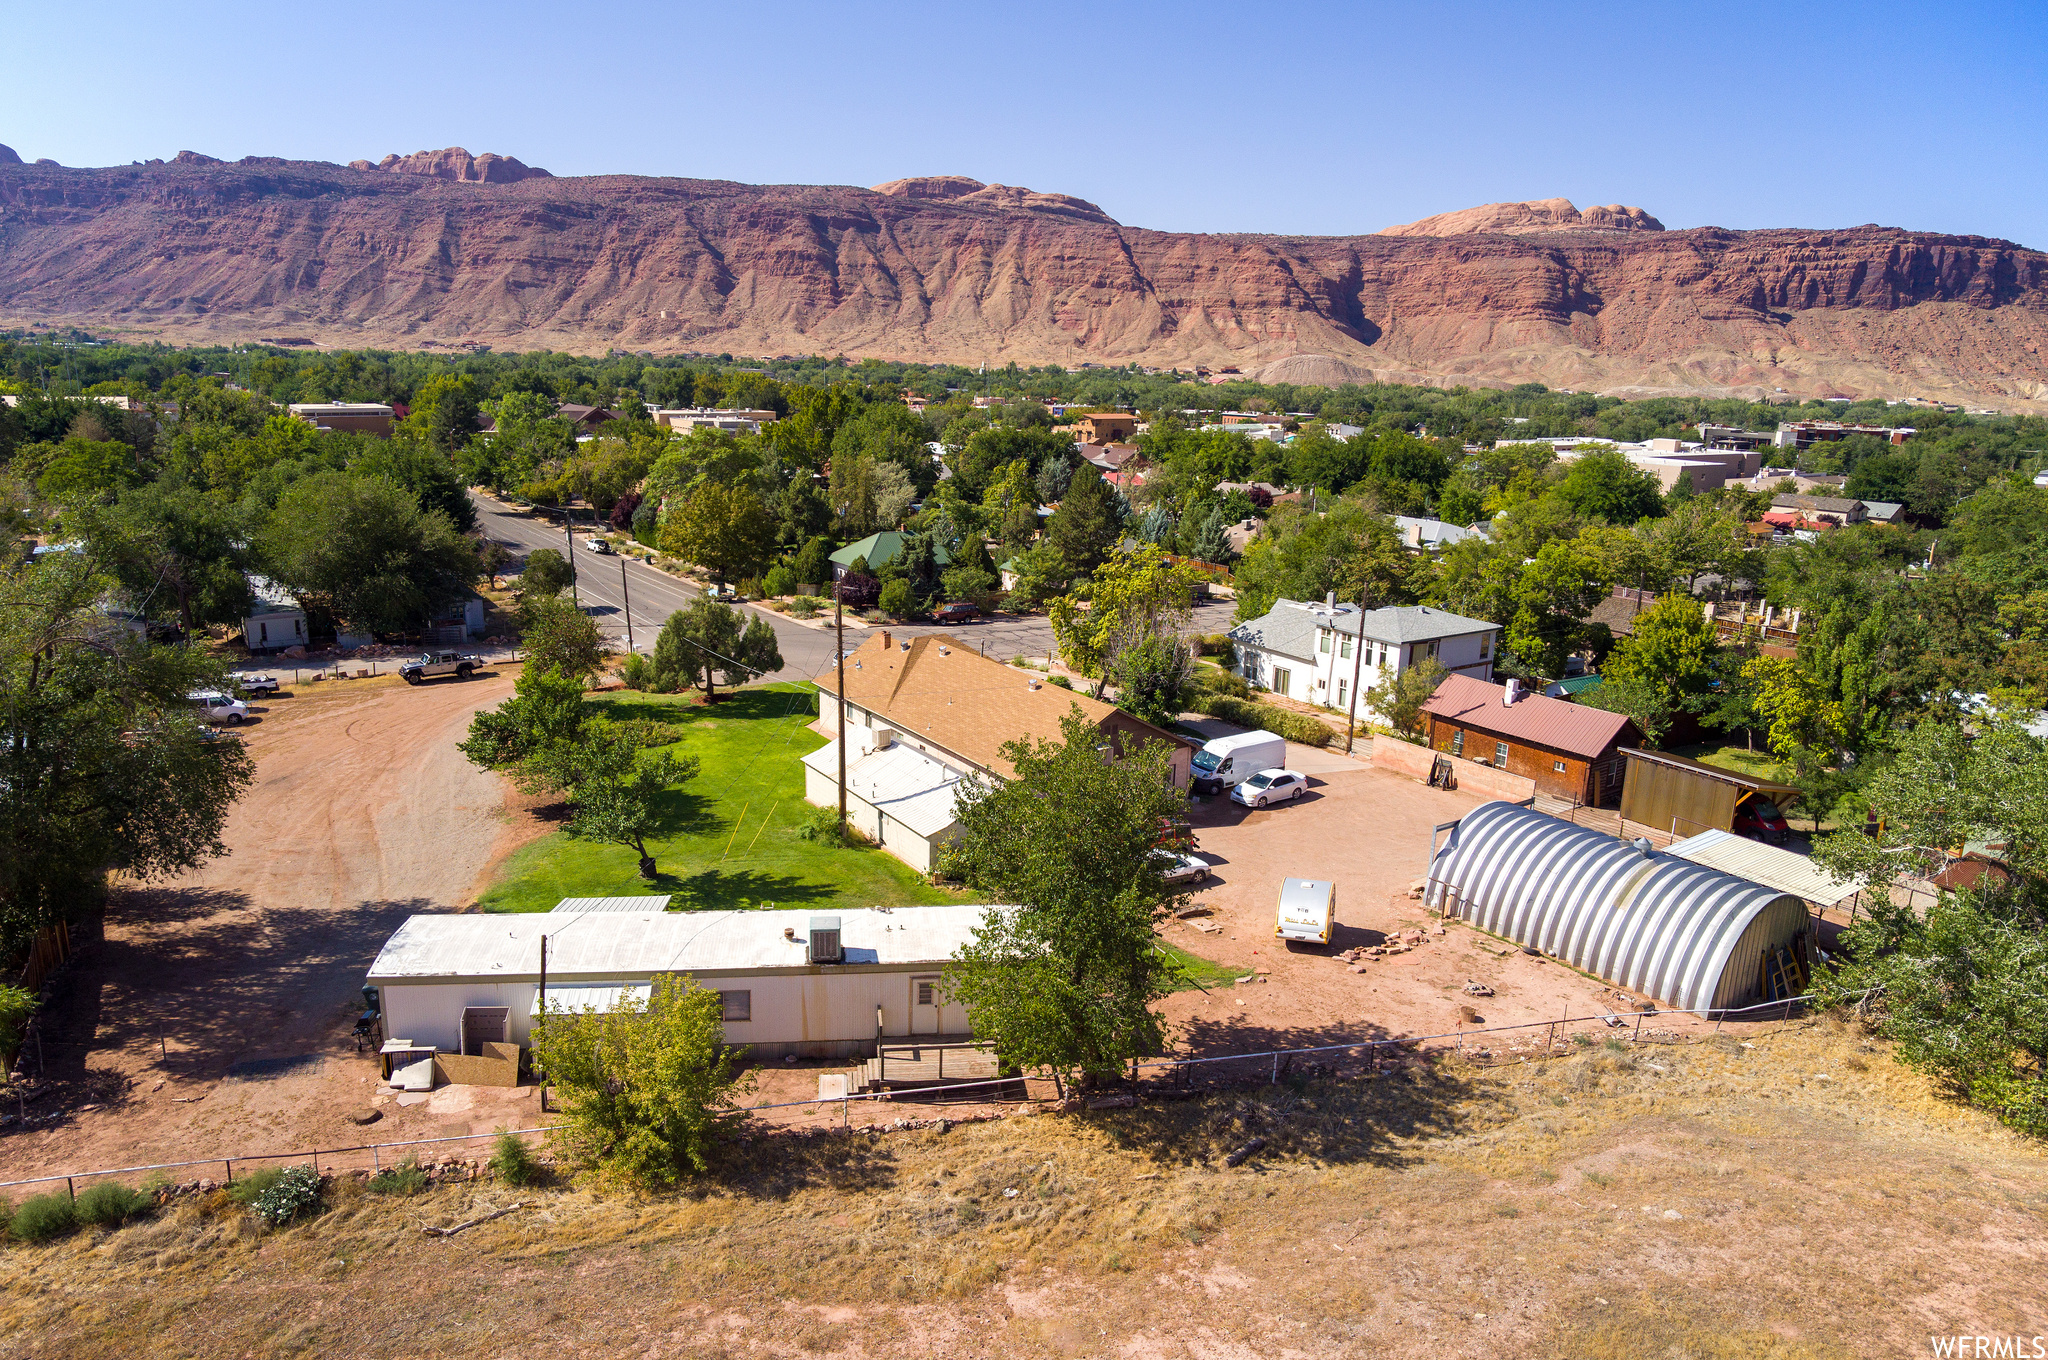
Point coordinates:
[[1788, 1193]]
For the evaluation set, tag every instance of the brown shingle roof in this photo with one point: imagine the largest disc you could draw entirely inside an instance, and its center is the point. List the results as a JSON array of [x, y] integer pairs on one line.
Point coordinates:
[[1535, 719], [952, 696]]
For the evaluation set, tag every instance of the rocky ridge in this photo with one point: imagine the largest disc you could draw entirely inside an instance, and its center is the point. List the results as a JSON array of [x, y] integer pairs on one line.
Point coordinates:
[[440, 248]]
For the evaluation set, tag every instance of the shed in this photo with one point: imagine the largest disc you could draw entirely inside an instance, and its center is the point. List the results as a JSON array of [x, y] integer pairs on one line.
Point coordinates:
[[781, 996], [1681, 796], [275, 620], [1688, 935]]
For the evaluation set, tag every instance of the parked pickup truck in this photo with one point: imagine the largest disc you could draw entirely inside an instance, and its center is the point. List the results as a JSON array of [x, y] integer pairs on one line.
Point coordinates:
[[440, 663]]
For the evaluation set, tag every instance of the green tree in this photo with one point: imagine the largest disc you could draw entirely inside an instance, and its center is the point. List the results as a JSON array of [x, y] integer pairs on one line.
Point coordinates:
[[545, 575], [556, 635], [365, 549], [706, 640], [423, 470], [813, 566], [1065, 981], [177, 550], [1958, 986], [724, 529], [1602, 484], [1088, 523], [445, 411], [1042, 574], [1552, 597], [1303, 555], [897, 599], [1671, 653], [546, 710], [1399, 696], [104, 765], [81, 472], [649, 1088], [1136, 628], [614, 791]]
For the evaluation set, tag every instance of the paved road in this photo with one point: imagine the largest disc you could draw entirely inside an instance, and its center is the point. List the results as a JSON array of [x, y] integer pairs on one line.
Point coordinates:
[[805, 651]]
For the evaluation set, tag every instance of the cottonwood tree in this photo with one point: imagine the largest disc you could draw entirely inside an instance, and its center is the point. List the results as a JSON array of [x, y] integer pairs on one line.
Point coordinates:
[[1066, 979], [1958, 985], [556, 635], [706, 640], [1136, 626], [649, 1088], [104, 763], [365, 549], [724, 529]]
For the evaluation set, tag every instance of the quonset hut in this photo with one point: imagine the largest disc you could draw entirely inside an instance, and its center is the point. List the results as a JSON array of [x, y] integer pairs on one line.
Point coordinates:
[[1690, 936]]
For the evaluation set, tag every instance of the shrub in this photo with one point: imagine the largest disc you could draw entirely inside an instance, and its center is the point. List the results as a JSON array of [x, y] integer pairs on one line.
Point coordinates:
[[246, 1190], [109, 1202], [875, 616], [1297, 727], [1220, 681], [817, 824], [1061, 681], [647, 733], [637, 671], [806, 606], [16, 1006], [778, 582], [42, 1217], [295, 1192], [514, 1162], [750, 588], [897, 599], [404, 1179]]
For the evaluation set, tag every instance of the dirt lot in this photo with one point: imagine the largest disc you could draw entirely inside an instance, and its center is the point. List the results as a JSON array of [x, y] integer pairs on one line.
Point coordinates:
[[1795, 1195], [214, 1017], [1367, 831]]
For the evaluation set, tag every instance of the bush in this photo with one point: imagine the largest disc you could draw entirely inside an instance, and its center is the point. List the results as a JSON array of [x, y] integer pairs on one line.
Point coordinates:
[[875, 616], [647, 733], [514, 1163], [806, 606], [1297, 727], [109, 1202], [1219, 681], [817, 824], [1218, 644], [246, 1190], [637, 671], [42, 1217], [897, 599], [779, 581], [1061, 681], [404, 1179], [295, 1192]]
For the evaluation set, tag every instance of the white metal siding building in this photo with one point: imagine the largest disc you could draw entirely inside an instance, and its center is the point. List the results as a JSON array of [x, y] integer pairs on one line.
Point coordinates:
[[1686, 934], [777, 1000], [1304, 650]]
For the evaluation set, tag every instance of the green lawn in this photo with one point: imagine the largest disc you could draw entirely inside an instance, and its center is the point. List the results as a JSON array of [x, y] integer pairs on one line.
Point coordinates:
[[728, 840], [1756, 764]]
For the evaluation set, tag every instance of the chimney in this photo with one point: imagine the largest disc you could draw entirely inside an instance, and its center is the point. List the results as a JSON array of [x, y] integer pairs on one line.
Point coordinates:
[[1511, 693], [885, 641], [1330, 601]]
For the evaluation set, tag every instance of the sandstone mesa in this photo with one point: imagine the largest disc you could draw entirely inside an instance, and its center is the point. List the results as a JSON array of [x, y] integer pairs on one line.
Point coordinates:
[[445, 247]]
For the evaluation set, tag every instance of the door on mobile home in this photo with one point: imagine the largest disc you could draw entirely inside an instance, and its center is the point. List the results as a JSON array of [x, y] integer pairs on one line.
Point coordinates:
[[924, 1004]]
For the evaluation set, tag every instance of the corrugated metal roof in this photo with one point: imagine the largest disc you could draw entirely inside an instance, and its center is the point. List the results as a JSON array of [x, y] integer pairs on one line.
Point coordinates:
[[633, 946], [582, 904], [1769, 865], [909, 785], [1666, 927], [591, 996], [1753, 783], [1534, 718]]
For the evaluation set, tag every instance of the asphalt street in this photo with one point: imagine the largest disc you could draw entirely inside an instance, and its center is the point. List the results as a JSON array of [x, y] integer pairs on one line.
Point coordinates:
[[604, 583]]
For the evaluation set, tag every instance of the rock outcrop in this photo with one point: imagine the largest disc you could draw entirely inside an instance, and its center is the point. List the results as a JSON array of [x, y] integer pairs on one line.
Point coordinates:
[[1528, 219], [457, 164], [7, 156], [953, 269]]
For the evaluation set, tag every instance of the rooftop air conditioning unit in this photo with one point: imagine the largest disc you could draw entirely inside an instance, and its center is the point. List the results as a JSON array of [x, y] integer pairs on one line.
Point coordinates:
[[1511, 693], [825, 946]]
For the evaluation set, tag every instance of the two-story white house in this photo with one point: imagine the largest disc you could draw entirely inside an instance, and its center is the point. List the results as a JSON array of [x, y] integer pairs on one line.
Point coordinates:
[[1305, 649]]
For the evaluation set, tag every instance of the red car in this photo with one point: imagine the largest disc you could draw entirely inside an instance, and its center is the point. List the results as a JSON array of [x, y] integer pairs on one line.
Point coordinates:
[[1760, 820], [957, 612]]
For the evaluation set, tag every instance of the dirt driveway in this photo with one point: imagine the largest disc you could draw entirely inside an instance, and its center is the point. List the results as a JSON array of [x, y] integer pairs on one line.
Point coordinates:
[[215, 1015], [1368, 831]]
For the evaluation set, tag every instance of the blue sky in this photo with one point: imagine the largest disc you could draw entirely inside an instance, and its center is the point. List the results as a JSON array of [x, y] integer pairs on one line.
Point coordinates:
[[1298, 118]]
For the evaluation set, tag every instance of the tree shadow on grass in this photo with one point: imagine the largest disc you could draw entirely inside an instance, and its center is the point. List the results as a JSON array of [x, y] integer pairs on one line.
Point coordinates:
[[777, 1165], [740, 890]]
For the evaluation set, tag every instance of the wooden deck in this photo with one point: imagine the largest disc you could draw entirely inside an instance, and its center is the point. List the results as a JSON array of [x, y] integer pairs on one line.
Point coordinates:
[[910, 1067]]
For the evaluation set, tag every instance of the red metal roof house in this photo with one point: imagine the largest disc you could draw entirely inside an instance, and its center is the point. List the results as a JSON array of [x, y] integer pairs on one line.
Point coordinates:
[[1567, 749]]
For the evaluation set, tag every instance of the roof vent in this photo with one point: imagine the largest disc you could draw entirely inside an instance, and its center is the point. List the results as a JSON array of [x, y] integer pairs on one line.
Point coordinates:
[[825, 940], [944, 650], [1643, 846], [1029, 683]]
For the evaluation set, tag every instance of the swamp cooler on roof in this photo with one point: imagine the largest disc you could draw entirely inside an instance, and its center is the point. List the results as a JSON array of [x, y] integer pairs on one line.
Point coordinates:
[[1690, 936]]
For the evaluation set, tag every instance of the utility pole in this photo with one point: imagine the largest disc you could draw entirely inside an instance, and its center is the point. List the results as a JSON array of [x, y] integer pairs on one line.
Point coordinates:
[[629, 601], [1357, 669], [569, 533], [839, 635]]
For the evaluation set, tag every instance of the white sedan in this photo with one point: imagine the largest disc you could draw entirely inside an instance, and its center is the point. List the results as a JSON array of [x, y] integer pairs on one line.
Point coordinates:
[[1178, 867], [1270, 786]]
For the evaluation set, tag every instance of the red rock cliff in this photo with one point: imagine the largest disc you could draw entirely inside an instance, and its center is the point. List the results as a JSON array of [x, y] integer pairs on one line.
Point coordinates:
[[950, 269]]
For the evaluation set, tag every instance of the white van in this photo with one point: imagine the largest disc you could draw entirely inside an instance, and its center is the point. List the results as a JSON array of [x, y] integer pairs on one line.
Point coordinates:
[[1308, 908], [1229, 761]]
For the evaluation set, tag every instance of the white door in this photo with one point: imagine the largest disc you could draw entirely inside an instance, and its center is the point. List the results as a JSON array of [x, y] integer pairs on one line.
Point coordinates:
[[924, 1004]]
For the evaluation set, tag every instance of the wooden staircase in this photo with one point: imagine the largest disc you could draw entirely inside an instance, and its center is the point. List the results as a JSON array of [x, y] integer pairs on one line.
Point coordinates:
[[901, 1066]]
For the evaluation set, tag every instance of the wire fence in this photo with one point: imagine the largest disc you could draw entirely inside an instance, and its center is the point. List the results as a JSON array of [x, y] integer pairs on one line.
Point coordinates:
[[1002, 1090]]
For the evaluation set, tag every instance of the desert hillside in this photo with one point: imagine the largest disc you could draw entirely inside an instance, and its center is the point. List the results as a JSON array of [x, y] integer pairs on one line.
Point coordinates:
[[443, 247]]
